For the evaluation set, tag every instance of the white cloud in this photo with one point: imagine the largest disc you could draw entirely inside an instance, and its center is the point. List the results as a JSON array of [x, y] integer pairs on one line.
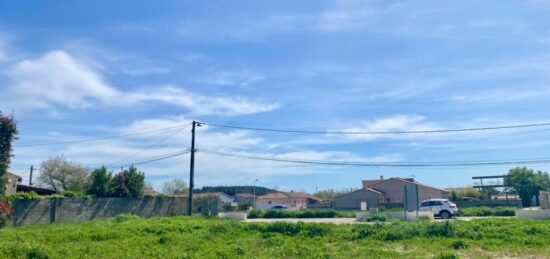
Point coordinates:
[[58, 79], [3, 55], [400, 122], [232, 78], [201, 104]]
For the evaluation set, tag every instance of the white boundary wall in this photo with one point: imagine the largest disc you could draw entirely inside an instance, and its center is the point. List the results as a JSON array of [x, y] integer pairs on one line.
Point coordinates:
[[410, 215], [233, 215], [533, 214]]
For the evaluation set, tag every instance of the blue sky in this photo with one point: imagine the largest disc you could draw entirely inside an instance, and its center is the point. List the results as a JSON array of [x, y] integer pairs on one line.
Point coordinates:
[[73, 70]]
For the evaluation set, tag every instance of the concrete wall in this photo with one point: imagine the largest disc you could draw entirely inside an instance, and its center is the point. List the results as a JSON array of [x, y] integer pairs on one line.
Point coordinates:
[[409, 215], [533, 214], [544, 200], [59, 210], [353, 200]]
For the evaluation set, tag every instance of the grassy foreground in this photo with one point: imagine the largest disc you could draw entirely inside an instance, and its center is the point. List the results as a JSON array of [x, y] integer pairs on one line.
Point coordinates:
[[184, 237]]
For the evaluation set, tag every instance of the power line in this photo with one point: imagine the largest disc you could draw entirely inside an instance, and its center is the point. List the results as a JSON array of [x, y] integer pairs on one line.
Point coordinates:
[[373, 164], [148, 160], [103, 138], [379, 132], [161, 158], [149, 146]]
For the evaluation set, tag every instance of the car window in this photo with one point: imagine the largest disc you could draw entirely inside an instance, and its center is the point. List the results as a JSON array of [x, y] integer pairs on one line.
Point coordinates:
[[426, 203], [437, 203]]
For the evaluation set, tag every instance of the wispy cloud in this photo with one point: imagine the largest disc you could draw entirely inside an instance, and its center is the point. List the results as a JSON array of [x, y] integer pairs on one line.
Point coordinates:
[[240, 78], [58, 79]]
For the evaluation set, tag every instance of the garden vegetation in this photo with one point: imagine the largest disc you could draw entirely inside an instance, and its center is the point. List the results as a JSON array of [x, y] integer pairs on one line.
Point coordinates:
[[127, 236]]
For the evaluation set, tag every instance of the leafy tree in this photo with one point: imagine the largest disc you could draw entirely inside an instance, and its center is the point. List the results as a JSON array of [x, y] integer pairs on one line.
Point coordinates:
[[527, 183], [454, 196], [487, 193], [174, 186], [62, 175], [128, 183], [8, 132], [99, 182]]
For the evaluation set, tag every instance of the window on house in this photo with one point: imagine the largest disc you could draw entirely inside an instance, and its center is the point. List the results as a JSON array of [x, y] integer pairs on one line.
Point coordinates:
[[269, 202]]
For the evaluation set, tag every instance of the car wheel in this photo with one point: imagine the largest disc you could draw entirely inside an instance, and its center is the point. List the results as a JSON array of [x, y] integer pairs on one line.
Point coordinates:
[[445, 214]]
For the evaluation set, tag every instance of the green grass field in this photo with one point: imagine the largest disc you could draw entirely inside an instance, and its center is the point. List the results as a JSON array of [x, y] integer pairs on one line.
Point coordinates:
[[184, 237]]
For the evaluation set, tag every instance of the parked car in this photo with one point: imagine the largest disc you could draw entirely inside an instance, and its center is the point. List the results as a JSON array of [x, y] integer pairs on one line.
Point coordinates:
[[440, 207], [279, 207]]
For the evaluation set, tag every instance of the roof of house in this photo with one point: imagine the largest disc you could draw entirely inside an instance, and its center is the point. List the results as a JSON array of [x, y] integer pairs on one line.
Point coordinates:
[[371, 182], [37, 190], [286, 195], [408, 180], [368, 189], [368, 183]]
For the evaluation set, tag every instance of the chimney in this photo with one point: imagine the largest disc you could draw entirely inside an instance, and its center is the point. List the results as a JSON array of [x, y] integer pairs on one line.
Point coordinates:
[[381, 178]]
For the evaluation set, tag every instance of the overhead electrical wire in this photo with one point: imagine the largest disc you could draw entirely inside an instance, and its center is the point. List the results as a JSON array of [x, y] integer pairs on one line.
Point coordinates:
[[103, 138], [149, 146], [380, 164], [379, 132], [148, 160]]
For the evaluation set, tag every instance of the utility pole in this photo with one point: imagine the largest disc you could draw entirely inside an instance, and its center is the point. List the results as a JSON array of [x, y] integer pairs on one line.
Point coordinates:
[[30, 176], [254, 191], [191, 170]]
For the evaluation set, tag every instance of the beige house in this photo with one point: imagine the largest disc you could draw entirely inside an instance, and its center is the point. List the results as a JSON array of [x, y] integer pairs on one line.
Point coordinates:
[[13, 181], [293, 200], [392, 189]]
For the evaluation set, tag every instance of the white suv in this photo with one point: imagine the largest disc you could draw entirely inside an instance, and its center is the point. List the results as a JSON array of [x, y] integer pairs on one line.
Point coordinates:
[[440, 207]]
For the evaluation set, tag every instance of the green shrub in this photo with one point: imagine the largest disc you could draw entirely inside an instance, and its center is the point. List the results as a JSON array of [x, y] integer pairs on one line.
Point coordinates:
[[124, 217], [255, 214], [128, 183], [363, 231], [284, 228], [446, 255], [313, 230], [486, 211], [37, 253], [228, 207], [377, 217], [388, 235], [100, 179], [244, 206], [3, 221], [24, 196], [274, 214], [458, 244], [70, 194], [445, 229]]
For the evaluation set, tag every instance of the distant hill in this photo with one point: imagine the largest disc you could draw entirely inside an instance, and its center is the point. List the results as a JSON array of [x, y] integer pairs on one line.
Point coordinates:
[[232, 190]]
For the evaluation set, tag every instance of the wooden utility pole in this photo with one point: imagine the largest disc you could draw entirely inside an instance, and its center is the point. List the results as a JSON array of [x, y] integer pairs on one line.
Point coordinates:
[[191, 171], [30, 176]]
